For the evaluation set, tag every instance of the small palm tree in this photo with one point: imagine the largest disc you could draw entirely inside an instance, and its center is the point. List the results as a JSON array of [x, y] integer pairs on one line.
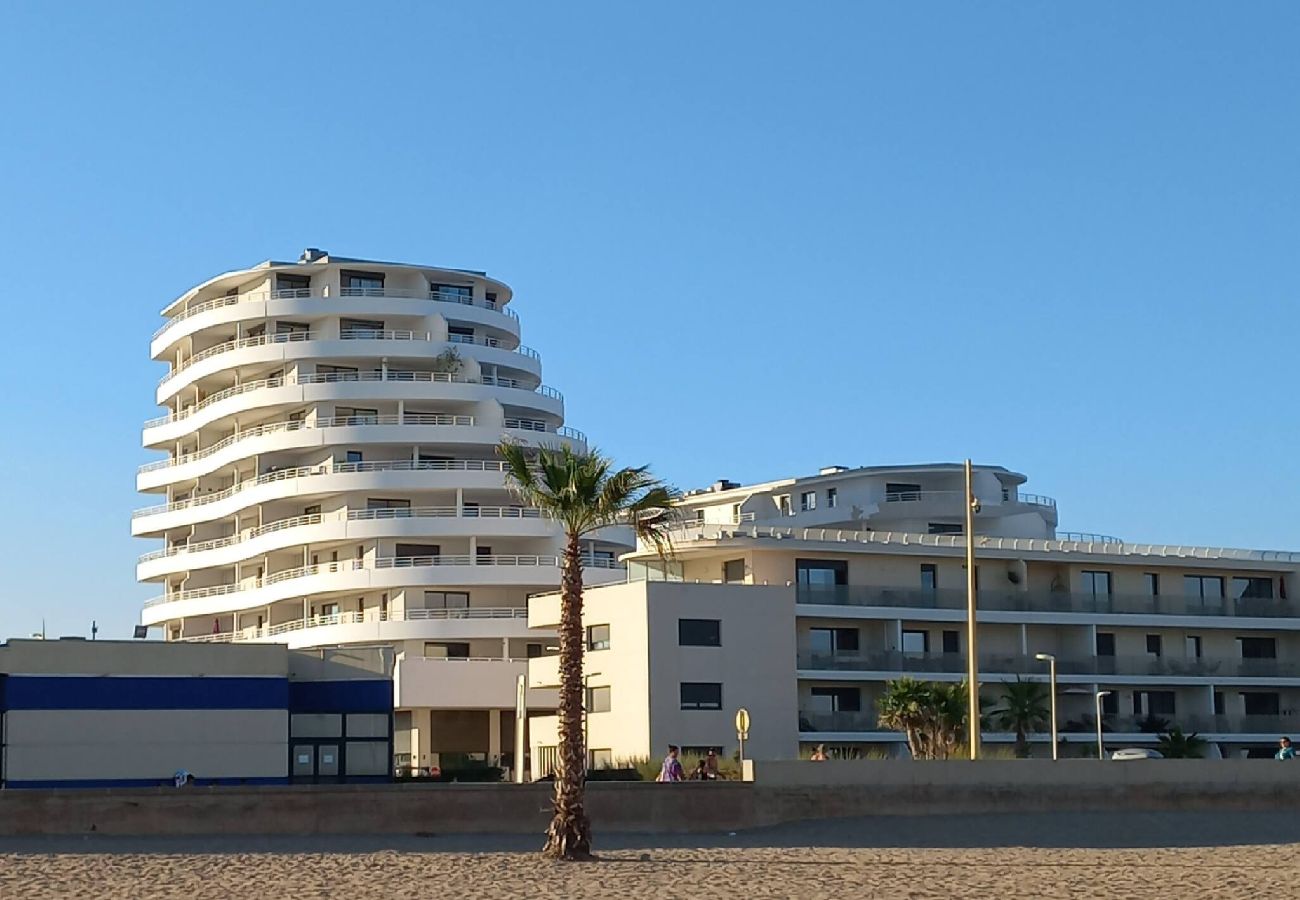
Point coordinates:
[[907, 706], [1024, 708], [1173, 744], [582, 492]]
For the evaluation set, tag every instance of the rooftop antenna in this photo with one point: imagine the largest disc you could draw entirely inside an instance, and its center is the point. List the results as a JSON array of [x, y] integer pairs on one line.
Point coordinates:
[[94, 629]]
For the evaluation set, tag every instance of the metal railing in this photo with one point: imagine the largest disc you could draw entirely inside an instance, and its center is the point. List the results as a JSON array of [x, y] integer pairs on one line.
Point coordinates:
[[893, 661], [987, 542], [307, 293], [379, 563], [1087, 537], [441, 419], [395, 465], [393, 375], [353, 515], [296, 336], [1049, 601], [368, 617], [919, 496]]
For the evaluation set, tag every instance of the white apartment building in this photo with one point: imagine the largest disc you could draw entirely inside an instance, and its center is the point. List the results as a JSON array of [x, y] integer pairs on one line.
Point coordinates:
[[329, 479], [801, 599]]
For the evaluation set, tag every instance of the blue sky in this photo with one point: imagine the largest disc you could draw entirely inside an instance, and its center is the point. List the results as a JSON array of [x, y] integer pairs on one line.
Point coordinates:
[[749, 239]]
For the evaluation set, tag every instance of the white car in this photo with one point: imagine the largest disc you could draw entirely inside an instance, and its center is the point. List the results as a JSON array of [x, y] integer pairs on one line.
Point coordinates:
[[1137, 753]]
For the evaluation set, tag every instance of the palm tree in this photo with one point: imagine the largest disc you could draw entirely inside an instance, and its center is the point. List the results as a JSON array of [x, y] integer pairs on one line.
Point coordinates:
[[582, 492], [907, 706], [1025, 708], [1173, 744]]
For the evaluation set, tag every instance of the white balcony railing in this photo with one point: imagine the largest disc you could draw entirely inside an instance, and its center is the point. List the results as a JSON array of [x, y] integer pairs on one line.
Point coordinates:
[[299, 336], [395, 465], [306, 294], [920, 496], [379, 564], [255, 633], [348, 515], [392, 375]]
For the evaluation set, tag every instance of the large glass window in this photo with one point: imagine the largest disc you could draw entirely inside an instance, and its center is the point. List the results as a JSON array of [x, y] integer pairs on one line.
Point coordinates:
[[1261, 703], [818, 574], [833, 641], [897, 490], [1152, 581], [945, 528], [929, 576], [446, 600], [598, 637], [916, 641], [1105, 643], [1206, 587], [456, 293], [1251, 588], [808, 501], [733, 571], [1258, 647], [598, 699], [701, 695], [446, 650], [1096, 583], [836, 699], [832, 497], [699, 632], [361, 283]]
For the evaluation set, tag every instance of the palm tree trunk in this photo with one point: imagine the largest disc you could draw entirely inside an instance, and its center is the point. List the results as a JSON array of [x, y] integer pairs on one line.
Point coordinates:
[[569, 836]]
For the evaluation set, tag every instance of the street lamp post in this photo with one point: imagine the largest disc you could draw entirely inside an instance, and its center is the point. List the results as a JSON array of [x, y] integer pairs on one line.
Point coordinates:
[[1101, 750], [972, 642], [1051, 663]]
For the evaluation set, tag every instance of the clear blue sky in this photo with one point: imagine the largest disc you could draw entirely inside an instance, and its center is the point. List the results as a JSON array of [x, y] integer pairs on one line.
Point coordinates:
[[749, 239]]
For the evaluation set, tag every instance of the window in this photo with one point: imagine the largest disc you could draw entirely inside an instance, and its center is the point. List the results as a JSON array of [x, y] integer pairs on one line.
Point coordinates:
[[1193, 646], [291, 328], [951, 642], [598, 637], [699, 632], [1105, 643], [896, 490], [337, 373], [820, 573], [446, 600], [598, 699], [1110, 704], [808, 501], [313, 510], [1153, 703], [701, 695], [1258, 647], [353, 456], [1153, 583], [356, 329], [1096, 583], [783, 504], [456, 293], [1207, 587], [945, 528], [1218, 703], [916, 641], [832, 498], [832, 641], [1153, 644], [836, 699], [446, 650], [361, 283], [929, 576], [733, 571], [412, 551], [601, 759], [284, 282], [533, 651], [1252, 588], [1261, 703], [386, 503]]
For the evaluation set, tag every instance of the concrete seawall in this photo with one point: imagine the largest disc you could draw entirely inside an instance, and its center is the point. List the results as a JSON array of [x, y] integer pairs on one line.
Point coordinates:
[[783, 792]]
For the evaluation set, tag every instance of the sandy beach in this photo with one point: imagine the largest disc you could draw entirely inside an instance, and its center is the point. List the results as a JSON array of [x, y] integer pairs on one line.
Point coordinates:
[[1048, 856]]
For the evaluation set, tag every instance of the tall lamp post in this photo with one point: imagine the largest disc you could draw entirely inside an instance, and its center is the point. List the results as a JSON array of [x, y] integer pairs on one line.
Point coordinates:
[[972, 642], [1051, 663], [1101, 750]]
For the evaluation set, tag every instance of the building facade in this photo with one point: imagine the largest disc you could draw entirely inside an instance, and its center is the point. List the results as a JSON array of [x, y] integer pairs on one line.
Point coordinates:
[[329, 479], [802, 599]]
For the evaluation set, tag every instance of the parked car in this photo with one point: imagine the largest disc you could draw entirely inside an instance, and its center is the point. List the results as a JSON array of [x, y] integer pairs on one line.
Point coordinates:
[[1137, 753]]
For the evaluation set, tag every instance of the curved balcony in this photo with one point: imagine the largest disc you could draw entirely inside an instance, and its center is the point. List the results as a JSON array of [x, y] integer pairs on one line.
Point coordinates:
[[278, 436], [368, 344], [948, 497], [524, 570], [254, 305], [356, 524], [356, 386], [312, 481]]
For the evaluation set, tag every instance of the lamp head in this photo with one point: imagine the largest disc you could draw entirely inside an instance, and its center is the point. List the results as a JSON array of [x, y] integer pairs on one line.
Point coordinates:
[[1044, 657]]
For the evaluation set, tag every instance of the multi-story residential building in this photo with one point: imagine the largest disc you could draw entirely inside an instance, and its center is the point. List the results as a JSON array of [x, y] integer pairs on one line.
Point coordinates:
[[330, 480], [801, 599]]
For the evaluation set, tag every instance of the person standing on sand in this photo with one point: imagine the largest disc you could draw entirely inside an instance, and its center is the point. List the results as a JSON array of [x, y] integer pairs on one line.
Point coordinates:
[[1285, 751], [671, 770]]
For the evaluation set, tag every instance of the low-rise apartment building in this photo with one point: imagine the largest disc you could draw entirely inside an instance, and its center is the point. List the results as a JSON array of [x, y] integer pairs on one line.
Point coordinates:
[[801, 599]]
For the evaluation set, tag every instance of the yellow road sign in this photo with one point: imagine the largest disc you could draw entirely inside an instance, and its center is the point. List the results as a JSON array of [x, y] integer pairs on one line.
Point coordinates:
[[742, 721]]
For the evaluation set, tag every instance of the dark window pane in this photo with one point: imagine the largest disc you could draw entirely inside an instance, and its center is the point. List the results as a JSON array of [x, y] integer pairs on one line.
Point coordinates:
[[699, 632], [701, 695]]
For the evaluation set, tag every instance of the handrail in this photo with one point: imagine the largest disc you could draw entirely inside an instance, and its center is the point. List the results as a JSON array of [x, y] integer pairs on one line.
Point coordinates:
[[917, 496], [987, 542], [358, 421], [394, 465], [348, 515], [395, 375], [296, 336], [1087, 537], [566, 431], [367, 617], [307, 294], [378, 563]]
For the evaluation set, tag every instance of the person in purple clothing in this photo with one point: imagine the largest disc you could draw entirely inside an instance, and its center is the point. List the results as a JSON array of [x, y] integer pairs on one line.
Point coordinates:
[[671, 770]]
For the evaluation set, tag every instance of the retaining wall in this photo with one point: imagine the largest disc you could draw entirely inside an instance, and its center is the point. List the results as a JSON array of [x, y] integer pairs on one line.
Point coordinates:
[[785, 792]]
